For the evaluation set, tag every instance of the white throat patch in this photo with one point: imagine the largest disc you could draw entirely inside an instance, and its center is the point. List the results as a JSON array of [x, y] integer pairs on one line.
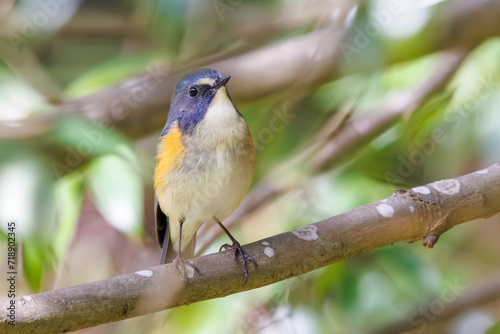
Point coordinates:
[[221, 110]]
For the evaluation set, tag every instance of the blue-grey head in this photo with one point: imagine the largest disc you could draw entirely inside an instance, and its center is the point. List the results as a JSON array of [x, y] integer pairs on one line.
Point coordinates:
[[193, 97]]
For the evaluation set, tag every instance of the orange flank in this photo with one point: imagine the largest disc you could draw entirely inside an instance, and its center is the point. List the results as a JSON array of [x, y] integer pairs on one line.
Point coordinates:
[[171, 151], [250, 140]]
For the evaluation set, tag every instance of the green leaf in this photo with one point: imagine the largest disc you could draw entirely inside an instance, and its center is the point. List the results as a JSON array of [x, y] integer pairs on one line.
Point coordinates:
[[409, 273], [69, 196], [167, 24], [37, 257], [83, 140], [26, 190], [107, 74], [495, 329], [348, 289], [17, 98], [117, 191], [427, 118]]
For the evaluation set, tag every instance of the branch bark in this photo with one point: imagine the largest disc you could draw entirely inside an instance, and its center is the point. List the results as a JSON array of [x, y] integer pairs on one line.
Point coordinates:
[[408, 215]]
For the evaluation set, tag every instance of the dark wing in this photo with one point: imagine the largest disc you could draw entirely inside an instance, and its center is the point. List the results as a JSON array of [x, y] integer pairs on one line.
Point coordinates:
[[161, 223], [163, 238], [162, 235]]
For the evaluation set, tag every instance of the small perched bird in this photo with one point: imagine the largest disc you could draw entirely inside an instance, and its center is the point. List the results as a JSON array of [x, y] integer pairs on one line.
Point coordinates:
[[205, 164]]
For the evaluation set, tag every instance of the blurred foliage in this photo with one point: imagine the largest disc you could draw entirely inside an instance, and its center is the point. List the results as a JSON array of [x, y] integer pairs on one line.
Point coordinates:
[[117, 190], [97, 219], [494, 330], [106, 74]]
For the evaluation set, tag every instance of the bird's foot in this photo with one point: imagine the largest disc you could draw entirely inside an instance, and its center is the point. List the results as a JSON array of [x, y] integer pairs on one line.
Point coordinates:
[[239, 252], [185, 268]]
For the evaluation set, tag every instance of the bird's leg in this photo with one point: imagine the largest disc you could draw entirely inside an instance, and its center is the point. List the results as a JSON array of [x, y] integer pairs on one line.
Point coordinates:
[[180, 262], [237, 250]]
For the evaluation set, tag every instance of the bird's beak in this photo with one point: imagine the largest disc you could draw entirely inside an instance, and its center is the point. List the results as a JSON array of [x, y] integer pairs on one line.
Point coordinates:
[[222, 82]]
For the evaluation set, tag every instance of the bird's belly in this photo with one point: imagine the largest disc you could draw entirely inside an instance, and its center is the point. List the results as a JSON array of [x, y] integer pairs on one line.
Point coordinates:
[[210, 184], [206, 189], [221, 195]]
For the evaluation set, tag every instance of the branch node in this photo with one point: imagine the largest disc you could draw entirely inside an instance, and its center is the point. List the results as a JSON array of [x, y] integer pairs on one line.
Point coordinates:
[[430, 241]]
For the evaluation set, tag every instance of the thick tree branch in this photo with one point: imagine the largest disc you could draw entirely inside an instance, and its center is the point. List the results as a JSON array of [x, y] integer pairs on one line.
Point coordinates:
[[408, 215]]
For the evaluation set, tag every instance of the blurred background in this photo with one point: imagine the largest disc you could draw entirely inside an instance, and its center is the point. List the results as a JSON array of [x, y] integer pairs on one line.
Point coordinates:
[[347, 101]]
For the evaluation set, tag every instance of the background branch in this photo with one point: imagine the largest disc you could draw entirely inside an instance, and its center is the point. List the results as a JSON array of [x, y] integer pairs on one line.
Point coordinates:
[[476, 296], [408, 215], [312, 59], [363, 129]]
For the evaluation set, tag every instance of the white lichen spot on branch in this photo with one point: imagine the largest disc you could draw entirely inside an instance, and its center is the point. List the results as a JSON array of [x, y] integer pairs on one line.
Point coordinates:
[[447, 187], [26, 299], [412, 209], [269, 251], [144, 273], [385, 210], [421, 190], [482, 171], [308, 233]]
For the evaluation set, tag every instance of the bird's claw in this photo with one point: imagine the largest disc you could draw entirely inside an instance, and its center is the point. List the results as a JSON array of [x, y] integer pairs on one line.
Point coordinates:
[[238, 251]]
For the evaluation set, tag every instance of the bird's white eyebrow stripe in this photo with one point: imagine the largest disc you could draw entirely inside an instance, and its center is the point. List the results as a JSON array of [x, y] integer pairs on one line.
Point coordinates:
[[205, 81]]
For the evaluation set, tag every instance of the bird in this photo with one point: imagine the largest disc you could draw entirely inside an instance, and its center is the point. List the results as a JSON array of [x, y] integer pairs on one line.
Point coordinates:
[[205, 164]]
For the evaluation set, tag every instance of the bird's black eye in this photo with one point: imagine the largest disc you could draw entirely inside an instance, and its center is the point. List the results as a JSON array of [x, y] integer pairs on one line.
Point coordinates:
[[193, 91]]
